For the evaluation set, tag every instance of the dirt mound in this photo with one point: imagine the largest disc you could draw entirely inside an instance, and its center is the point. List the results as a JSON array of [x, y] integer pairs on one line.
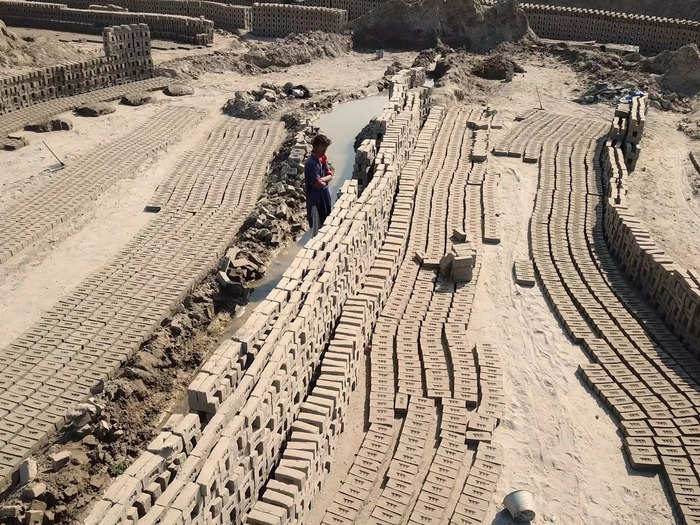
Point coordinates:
[[251, 57], [8, 40], [245, 105], [419, 24], [297, 49], [16, 52], [497, 67]]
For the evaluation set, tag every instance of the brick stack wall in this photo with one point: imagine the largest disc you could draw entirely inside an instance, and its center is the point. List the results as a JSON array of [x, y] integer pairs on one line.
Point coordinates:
[[60, 17], [277, 20], [224, 15], [355, 8], [652, 34], [127, 59], [673, 291]]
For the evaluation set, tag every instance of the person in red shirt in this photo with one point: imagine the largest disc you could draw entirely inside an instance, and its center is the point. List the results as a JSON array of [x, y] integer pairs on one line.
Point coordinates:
[[317, 176]]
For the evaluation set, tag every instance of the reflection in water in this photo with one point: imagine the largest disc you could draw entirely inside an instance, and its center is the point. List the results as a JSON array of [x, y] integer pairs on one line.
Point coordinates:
[[341, 125]]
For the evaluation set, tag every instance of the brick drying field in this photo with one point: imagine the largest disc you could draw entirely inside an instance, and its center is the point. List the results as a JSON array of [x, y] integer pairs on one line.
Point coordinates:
[[487, 308]]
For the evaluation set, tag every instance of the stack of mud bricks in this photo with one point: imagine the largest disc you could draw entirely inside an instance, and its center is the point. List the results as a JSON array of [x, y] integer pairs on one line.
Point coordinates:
[[627, 128], [276, 20], [354, 8], [651, 34], [480, 485], [416, 441], [59, 16], [224, 16], [127, 59], [277, 382], [365, 155], [674, 292]]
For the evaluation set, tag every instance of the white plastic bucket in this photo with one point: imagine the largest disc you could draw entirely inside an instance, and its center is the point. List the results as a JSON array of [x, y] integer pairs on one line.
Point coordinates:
[[520, 504]]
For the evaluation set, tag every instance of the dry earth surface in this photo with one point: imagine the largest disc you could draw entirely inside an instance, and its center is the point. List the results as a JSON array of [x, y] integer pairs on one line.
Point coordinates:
[[559, 442]]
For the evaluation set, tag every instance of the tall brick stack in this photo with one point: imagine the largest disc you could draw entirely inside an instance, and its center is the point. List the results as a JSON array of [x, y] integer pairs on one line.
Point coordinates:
[[59, 16], [673, 291], [627, 127], [652, 34], [127, 59], [276, 20]]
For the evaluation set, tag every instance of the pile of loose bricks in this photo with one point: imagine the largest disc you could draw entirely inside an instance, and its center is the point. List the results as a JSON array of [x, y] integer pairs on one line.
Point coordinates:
[[643, 372], [84, 339], [269, 405], [127, 59], [42, 15], [273, 20], [674, 292], [627, 127], [651, 34], [224, 15]]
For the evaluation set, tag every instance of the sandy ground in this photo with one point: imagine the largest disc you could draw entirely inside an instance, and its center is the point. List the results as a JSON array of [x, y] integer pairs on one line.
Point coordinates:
[[559, 442]]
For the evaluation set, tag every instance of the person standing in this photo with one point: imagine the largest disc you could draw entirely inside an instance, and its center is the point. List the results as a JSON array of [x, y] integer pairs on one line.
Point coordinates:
[[317, 176]]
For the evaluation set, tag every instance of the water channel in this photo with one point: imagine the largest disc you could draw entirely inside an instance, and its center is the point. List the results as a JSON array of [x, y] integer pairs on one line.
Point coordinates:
[[341, 125]]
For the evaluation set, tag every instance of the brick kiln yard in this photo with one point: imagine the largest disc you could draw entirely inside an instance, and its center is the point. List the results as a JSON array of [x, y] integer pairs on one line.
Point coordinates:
[[503, 297]]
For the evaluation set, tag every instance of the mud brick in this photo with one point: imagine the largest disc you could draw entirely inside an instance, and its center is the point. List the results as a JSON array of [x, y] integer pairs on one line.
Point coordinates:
[[386, 515], [358, 482]]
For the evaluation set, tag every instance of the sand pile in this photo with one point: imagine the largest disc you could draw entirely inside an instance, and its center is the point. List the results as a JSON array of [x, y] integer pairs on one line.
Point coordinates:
[[251, 57], [680, 69], [16, 52], [419, 24]]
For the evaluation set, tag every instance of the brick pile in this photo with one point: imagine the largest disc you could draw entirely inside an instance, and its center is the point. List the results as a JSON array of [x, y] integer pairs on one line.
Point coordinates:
[[627, 128], [276, 20], [42, 15], [652, 34], [127, 59], [673, 291]]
